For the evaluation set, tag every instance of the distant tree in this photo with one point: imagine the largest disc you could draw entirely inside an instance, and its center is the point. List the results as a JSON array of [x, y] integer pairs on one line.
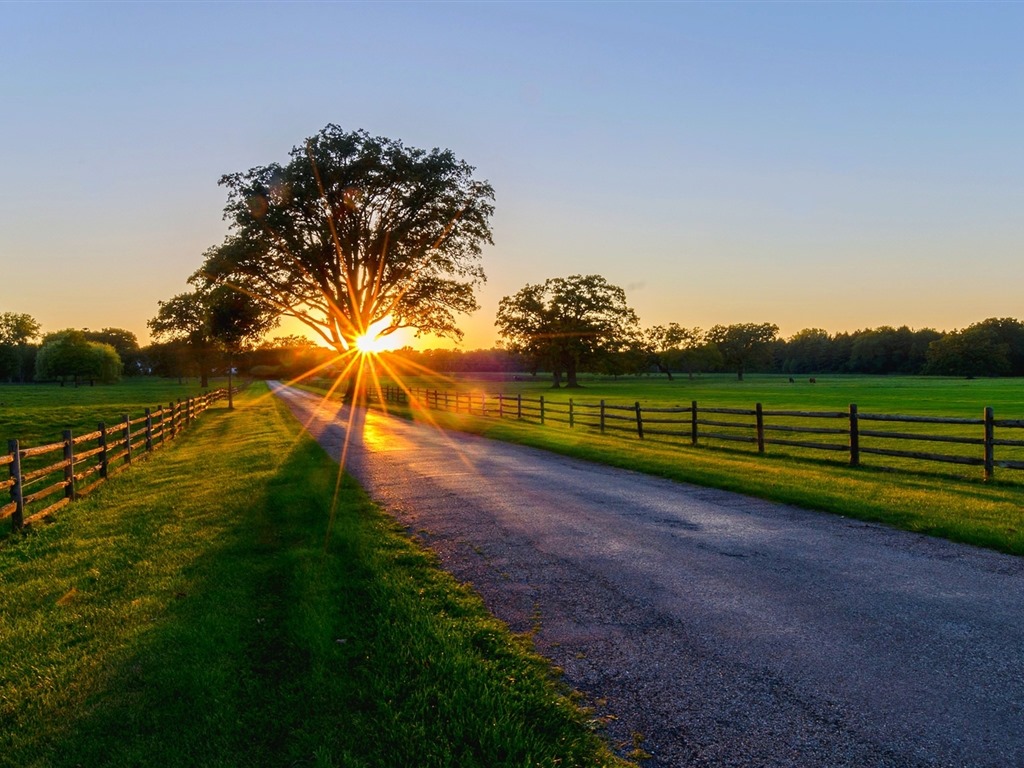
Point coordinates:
[[973, 351], [744, 345], [993, 347], [17, 331], [886, 350], [185, 318], [125, 343], [808, 351], [172, 359], [1011, 333], [667, 345], [69, 354], [210, 320], [357, 232], [567, 324], [236, 320]]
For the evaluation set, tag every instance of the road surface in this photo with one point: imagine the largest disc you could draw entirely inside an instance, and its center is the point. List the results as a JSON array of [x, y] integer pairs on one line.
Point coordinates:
[[721, 630]]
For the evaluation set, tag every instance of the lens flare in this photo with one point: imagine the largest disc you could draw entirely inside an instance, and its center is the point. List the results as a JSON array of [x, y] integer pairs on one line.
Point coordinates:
[[372, 342]]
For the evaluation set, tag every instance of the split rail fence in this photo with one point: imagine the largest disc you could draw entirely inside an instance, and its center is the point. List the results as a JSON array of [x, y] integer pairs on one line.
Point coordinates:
[[84, 462], [964, 441]]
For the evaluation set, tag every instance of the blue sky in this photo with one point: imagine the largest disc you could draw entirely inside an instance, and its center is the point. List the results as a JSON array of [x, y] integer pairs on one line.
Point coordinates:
[[834, 165]]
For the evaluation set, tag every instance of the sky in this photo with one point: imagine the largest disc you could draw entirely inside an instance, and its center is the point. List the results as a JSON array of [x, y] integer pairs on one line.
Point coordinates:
[[827, 165]]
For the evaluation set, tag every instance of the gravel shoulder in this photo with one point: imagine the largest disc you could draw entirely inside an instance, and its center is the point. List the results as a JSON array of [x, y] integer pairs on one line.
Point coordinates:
[[719, 629]]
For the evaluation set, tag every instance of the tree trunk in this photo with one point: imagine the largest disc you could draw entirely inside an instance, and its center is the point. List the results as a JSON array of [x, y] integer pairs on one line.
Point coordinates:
[[664, 369], [350, 391], [556, 379], [570, 376]]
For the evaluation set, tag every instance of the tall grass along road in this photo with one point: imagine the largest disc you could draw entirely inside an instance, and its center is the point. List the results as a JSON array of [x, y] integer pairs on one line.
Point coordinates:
[[708, 628]]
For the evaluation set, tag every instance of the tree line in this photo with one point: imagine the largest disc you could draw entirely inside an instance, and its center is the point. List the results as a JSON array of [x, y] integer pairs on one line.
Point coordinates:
[[993, 347]]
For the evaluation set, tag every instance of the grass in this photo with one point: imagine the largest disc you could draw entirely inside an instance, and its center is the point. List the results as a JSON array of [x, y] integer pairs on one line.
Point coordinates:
[[927, 500], [940, 396], [37, 414], [194, 613]]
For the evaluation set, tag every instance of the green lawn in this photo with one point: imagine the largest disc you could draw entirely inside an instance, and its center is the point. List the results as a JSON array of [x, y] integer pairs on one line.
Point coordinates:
[[196, 612], [37, 414]]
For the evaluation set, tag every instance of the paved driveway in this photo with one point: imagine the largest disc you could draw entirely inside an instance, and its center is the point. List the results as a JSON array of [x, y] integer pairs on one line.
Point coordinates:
[[723, 630]]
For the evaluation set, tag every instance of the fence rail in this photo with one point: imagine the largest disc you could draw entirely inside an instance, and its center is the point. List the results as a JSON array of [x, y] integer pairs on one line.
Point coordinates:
[[35, 477], [968, 441]]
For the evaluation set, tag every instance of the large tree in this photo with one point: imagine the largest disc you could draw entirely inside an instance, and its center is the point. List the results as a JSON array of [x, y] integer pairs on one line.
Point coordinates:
[[357, 232], [567, 323], [744, 345]]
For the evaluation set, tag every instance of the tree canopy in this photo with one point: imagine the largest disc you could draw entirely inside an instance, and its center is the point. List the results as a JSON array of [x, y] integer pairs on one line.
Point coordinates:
[[567, 323], [673, 346], [744, 345], [357, 231], [17, 330], [69, 354], [211, 319]]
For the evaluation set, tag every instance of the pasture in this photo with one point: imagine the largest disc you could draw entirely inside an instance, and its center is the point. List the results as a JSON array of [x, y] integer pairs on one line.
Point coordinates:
[[36, 414], [930, 395]]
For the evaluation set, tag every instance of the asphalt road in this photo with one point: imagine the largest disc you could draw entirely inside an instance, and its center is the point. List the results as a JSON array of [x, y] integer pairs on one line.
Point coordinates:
[[723, 630]]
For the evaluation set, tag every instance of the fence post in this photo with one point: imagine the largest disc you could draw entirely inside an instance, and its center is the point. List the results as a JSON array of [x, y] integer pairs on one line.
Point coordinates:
[[602, 417], [542, 410], [572, 420], [149, 431], [104, 463], [990, 435], [128, 438], [17, 491], [693, 422], [483, 403], [854, 436], [519, 405], [501, 406], [639, 420], [759, 420], [69, 465]]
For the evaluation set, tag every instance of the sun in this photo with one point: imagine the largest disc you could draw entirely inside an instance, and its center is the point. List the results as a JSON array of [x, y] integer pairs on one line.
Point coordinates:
[[373, 342]]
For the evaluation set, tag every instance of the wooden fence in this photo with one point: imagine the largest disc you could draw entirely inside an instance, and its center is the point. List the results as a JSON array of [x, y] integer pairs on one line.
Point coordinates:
[[83, 462], [965, 441]]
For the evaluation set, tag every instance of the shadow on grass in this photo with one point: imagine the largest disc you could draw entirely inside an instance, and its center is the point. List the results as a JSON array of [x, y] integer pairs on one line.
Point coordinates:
[[220, 675], [257, 644]]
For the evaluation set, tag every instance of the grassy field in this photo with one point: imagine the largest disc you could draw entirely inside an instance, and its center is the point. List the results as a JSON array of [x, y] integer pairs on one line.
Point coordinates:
[[884, 394], [908, 396], [928, 498], [194, 613], [37, 414]]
